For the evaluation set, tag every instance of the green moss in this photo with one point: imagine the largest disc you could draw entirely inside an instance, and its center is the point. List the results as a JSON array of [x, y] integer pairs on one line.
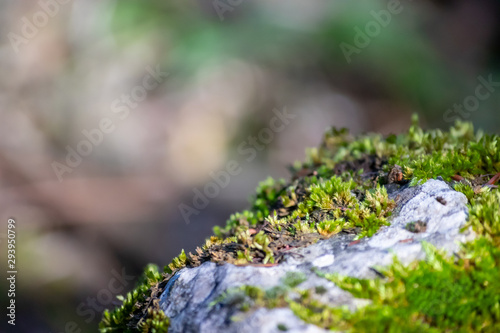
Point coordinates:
[[484, 215], [267, 194], [293, 279], [436, 295], [341, 187], [306, 206], [333, 193], [155, 322], [423, 155], [466, 189], [131, 318], [177, 262], [261, 242], [246, 297]]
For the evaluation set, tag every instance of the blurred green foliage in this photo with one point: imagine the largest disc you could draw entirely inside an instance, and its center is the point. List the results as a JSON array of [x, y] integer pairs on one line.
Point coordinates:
[[401, 62]]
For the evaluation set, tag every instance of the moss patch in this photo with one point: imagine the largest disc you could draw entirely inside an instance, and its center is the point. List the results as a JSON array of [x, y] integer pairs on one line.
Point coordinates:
[[341, 188], [440, 294], [140, 310]]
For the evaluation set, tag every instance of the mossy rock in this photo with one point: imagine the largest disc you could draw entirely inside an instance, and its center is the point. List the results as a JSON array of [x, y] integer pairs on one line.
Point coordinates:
[[343, 195]]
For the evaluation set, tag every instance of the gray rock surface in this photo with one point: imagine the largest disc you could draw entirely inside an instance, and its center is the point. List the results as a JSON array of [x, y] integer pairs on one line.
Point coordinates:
[[188, 294]]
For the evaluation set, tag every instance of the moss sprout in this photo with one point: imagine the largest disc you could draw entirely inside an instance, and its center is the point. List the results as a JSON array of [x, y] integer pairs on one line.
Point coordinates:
[[130, 317]]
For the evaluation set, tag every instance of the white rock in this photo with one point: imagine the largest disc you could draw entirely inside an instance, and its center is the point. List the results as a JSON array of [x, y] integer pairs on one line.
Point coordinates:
[[187, 296]]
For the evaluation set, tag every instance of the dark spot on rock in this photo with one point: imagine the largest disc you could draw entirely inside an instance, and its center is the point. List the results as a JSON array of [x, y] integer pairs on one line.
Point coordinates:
[[377, 272], [320, 290], [282, 327], [417, 227], [441, 200], [408, 240]]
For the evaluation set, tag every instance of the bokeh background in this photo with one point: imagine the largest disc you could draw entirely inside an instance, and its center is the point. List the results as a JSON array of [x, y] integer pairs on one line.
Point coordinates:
[[229, 64]]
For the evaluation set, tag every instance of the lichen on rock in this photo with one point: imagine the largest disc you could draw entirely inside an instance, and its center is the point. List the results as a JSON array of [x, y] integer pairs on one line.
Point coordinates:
[[340, 246]]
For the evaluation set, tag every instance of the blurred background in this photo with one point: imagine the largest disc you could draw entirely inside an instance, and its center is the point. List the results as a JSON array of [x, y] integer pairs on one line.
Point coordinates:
[[113, 114]]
